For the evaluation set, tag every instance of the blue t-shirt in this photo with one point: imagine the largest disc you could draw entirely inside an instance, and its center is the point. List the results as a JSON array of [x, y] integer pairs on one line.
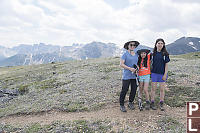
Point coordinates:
[[130, 60], [159, 62]]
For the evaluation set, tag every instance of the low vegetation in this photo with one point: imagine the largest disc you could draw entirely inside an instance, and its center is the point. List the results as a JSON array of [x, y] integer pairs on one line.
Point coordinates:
[[79, 126], [88, 85]]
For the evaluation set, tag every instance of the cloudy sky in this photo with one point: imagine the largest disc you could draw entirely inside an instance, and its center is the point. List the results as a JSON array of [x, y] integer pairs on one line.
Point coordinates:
[[64, 22]]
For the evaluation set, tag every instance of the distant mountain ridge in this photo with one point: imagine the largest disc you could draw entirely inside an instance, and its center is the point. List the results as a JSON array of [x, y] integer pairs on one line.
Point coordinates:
[[184, 45], [42, 53]]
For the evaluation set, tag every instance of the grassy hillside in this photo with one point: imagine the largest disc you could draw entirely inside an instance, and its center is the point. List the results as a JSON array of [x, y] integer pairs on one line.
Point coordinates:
[[68, 86], [88, 85], [192, 55]]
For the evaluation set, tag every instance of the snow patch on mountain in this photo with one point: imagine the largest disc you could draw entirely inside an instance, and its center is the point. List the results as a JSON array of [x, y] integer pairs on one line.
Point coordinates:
[[191, 44]]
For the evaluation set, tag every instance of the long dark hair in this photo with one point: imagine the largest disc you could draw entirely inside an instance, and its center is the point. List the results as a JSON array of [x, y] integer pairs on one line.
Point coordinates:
[[140, 60], [164, 50]]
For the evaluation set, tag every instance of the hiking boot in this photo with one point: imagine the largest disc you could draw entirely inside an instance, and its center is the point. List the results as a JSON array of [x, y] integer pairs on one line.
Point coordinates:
[[152, 106], [141, 108], [147, 105], [131, 106], [161, 106], [140, 105], [122, 108]]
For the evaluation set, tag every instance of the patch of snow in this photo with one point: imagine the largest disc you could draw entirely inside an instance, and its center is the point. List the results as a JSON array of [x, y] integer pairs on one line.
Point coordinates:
[[191, 44], [28, 58], [194, 47], [53, 59], [8, 53]]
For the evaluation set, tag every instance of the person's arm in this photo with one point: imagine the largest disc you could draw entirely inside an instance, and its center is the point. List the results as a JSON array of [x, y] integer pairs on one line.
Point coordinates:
[[167, 59], [125, 66], [166, 71]]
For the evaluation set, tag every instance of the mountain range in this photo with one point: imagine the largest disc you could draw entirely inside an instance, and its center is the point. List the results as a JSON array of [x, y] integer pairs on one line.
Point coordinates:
[[184, 45], [42, 53]]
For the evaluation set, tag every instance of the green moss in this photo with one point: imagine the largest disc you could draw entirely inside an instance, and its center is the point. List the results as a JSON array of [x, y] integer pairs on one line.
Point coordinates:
[[23, 89], [76, 106], [63, 72], [62, 91], [97, 106], [50, 83], [170, 73], [183, 75]]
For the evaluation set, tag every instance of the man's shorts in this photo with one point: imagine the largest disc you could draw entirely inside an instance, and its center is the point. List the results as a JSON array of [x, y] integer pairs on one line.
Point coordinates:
[[144, 78], [157, 77]]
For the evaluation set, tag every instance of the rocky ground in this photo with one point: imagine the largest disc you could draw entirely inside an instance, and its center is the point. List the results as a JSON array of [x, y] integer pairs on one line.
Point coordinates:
[[82, 96]]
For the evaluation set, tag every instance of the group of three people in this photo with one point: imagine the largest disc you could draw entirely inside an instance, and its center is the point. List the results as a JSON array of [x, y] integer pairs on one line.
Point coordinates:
[[149, 65]]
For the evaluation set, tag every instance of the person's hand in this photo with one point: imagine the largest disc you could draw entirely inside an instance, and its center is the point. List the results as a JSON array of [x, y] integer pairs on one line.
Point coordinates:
[[136, 72], [164, 77], [132, 70]]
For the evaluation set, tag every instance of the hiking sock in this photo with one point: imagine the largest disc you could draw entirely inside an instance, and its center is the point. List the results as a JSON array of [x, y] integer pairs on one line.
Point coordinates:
[[161, 102]]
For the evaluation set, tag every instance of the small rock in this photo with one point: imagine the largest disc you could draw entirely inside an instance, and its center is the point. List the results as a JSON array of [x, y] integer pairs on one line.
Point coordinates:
[[197, 83], [5, 99], [1, 94], [11, 92], [54, 72]]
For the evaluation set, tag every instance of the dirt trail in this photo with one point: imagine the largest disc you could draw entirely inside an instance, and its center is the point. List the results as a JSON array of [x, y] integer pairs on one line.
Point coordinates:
[[111, 112]]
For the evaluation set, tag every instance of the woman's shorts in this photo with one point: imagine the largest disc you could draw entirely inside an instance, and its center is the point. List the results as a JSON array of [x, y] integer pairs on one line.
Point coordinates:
[[144, 78], [157, 77]]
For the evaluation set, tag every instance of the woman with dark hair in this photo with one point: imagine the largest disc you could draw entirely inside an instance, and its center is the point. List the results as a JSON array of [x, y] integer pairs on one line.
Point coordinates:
[[127, 62], [159, 71]]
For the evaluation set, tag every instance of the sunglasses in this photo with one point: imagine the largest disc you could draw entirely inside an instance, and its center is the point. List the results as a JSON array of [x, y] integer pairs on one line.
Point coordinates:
[[133, 45]]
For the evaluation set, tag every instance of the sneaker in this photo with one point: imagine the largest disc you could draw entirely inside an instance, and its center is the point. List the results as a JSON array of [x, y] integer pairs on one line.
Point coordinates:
[[131, 106], [147, 105], [161, 105], [152, 106], [122, 108]]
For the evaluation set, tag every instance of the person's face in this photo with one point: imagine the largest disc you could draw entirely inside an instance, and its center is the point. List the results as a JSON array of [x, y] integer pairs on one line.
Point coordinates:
[[143, 54], [159, 45], [131, 46]]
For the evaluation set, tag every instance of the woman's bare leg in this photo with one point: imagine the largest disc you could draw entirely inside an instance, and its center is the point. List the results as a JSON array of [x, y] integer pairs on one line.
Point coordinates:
[[162, 90], [153, 90]]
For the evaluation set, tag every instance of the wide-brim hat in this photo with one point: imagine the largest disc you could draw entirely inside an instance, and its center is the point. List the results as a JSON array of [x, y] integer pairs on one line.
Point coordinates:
[[127, 43], [143, 50]]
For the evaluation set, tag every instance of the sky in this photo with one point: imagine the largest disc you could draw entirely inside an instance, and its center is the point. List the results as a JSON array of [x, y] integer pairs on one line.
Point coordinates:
[[64, 22]]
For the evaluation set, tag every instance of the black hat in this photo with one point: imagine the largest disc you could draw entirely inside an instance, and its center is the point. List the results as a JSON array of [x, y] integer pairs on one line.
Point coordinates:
[[127, 43], [143, 50]]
